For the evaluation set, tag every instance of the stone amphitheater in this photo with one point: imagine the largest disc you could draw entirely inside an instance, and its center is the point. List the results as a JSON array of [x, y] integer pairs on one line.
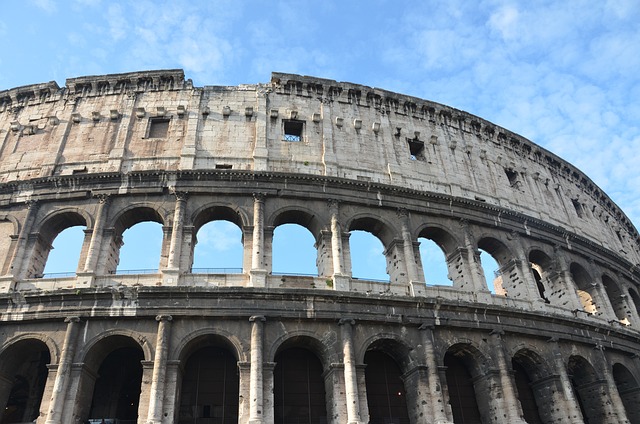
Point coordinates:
[[555, 340]]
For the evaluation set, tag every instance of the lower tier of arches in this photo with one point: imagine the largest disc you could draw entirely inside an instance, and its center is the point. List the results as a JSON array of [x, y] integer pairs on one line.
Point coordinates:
[[268, 356]]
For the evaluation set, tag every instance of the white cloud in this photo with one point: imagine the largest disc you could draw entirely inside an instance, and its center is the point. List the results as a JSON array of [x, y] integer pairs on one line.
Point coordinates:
[[48, 6]]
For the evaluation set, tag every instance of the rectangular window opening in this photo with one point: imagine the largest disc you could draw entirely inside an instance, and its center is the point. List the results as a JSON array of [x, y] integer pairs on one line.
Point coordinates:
[[159, 127], [223, 166], [416, 149], [512, 176], [578, 208], [293, 130]]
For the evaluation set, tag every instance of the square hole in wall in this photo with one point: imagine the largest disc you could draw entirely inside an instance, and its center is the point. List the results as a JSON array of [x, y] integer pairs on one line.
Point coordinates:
[[158, 127], [293, 130], [416, 149]]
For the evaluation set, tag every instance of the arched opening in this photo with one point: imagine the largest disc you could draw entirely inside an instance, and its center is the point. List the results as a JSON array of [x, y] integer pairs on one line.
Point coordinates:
[[298, 388], [294, 251], [116, 393], [49, 231], [210, 384], [617, 300], [636, 300], [218, 248], [367, 256], [526, 395], [434, 263], [499, 268], [141, 247], [586, 291], [24, 364], [137, 242], [589, 391], [462, 393], [386, 394], [65, 252], [629, 392], [542, 268]]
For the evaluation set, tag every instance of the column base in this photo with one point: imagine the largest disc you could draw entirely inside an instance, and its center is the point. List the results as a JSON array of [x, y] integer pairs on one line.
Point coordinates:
[[7, 283], [170, 276], [417, 288], [257, 278], [256, 422], [85, 279], [341, 282]]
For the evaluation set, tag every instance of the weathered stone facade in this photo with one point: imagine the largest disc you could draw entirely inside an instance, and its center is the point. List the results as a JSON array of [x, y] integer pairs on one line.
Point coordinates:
[[559, 343]]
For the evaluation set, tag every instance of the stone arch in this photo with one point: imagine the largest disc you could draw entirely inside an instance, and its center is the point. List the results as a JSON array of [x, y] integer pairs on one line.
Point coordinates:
[[23, 376], [112, 372], [507, 278], [468, 383], [125, 219], [306, 219], [54, 351], [231, 340], [635, 300], [629, 391], [588, 388], [533, 386], [300, 385], [13, 221], [216, 212], [393, 345], [208, 383], [585, 287], [450, 247], [617, 299], [305, 339], [387, 362], [46, 230], [548, 282], [84, 354], [387, 234]]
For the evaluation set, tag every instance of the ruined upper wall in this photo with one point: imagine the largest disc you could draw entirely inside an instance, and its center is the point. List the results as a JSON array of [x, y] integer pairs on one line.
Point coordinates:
[[157, 120]]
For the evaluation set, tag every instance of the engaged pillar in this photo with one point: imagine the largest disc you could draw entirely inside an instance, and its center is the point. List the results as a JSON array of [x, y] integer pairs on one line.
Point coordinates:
[[256, 404]]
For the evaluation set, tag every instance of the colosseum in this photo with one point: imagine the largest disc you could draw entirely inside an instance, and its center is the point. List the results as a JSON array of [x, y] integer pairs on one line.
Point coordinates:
[[555, 338]]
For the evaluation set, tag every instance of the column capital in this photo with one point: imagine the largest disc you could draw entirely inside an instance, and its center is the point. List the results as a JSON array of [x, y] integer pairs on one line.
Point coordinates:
[[427, 326], [164, 318], [72, 319], [343, 321], [402, 213], [333, 204], [103, 198], [259, 196], [498, 332], [257, 318]]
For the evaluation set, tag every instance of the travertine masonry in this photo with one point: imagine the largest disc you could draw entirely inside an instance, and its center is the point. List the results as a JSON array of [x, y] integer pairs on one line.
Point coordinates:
[[556, 342]]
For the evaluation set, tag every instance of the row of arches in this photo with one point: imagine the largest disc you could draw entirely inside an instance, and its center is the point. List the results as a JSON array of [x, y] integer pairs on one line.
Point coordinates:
[[210, 386], [519, 269]]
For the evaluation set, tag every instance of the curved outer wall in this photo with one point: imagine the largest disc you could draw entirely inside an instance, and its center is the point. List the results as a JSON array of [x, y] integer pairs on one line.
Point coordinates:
[[107, 152]]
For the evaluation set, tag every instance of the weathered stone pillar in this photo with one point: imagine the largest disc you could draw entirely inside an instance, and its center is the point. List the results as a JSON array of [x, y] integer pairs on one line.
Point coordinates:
[[572, 409], [511, 404], [471, 261], [616, 405], [158, 378], [256, 411], [63, 373], [350, 378], [415, 282], [96, 236], [439, 415], [340, 280], [176, 232], [258, 273], [16, 268], [334, 389]]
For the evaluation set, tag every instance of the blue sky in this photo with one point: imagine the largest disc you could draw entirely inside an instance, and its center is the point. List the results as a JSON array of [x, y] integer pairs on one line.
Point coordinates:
[[565, 74]]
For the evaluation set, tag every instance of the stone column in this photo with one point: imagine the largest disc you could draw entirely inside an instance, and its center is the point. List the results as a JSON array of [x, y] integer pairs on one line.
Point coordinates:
[[16, 268], [96, 236], [256, 412], [258, 273], [350, 379], [471, 261], [511, 404], [572, 409], [616, 402], [158, 378], [340, 280], [415, 281], [56, 404], [439, 415], [176, 233]]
